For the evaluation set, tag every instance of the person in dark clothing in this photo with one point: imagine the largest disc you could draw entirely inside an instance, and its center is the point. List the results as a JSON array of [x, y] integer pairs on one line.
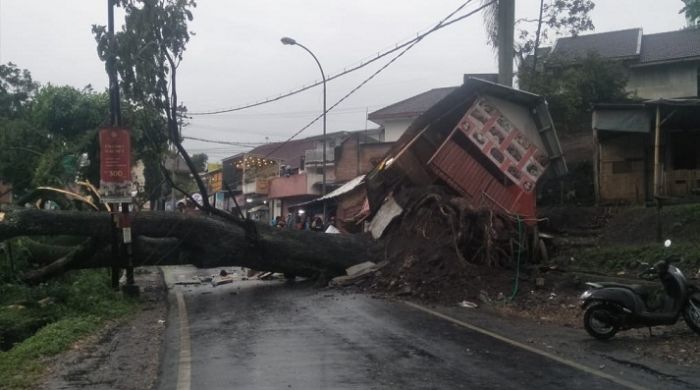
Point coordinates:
[[317, 224]]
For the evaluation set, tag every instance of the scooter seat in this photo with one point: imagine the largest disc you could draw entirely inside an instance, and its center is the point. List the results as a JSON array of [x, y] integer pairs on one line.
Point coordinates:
[[639, 289]]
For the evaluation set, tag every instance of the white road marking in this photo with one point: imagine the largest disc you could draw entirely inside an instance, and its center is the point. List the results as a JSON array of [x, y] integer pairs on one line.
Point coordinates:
[[570, 363], [184, 368]]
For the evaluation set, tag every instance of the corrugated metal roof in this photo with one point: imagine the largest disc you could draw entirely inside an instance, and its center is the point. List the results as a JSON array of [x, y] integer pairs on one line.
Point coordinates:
[[344, 189]]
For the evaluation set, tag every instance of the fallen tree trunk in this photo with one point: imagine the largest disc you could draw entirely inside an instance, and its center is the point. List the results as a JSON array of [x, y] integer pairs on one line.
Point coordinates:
[[168, 238]]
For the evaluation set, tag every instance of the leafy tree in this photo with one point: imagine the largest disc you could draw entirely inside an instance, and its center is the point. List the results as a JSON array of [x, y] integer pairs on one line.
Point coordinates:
[[200, 161], [149, 145], [572, 89], [558, 16], [17, 136], [46, 143], [555, 17], [22, 147], [71, 119], [691, 9], [16, 90], [48, 134], [150, 47]]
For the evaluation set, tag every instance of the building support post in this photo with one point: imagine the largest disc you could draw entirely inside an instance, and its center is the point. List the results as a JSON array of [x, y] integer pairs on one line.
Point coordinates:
[[596, 159], [657, 154], [657, 174]]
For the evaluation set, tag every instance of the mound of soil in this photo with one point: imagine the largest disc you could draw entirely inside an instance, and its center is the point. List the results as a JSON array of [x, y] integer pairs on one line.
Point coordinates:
[[442, 251]]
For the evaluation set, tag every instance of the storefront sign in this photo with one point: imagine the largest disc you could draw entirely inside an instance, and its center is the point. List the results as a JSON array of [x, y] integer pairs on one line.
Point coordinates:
[[115, 165]]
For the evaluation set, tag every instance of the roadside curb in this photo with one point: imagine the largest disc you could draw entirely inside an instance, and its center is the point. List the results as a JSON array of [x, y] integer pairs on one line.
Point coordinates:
[[616, 356], [559, 359]]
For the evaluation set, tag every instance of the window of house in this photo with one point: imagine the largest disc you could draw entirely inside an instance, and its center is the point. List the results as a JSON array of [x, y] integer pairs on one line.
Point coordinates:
[[685, 152]]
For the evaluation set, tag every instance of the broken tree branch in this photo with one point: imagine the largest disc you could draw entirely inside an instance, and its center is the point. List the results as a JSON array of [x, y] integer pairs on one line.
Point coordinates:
[[86, 250]]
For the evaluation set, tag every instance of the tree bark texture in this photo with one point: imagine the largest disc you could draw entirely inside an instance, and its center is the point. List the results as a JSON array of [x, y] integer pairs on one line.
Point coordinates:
[[168, 238]]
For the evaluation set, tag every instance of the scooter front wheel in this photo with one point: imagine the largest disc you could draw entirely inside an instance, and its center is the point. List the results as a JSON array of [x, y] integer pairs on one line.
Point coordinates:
[[598, 321], [691, 312]]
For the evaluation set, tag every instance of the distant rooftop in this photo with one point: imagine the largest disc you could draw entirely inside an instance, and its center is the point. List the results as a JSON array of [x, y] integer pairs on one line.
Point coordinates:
[[631, 44], [671, 46], [413, 106], [418, 104], [612, 44], [291, 152]]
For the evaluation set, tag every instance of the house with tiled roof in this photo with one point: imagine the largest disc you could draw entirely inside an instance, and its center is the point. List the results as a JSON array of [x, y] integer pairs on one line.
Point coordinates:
[[270, 178], [662, 65], [646, 150], [395, 118]]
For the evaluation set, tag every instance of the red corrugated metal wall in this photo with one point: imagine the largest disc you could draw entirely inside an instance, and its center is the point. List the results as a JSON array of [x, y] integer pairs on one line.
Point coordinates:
[[456, 166]]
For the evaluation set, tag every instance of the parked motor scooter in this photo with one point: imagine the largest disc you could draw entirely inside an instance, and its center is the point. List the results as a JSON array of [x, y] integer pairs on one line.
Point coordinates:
[[611, 307]]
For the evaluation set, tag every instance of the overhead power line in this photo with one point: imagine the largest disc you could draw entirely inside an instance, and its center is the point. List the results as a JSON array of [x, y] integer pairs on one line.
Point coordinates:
[[442, 24], [243, 144]]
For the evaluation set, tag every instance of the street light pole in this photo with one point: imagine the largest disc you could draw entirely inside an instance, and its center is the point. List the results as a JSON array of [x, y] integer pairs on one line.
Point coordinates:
[[290, 41]]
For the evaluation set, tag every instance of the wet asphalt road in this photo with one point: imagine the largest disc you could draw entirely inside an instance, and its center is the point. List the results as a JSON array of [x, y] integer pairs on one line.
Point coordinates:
[[268, 335]]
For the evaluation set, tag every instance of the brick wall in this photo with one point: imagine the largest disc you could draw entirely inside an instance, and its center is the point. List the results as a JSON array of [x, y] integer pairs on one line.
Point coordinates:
[[346, 163]]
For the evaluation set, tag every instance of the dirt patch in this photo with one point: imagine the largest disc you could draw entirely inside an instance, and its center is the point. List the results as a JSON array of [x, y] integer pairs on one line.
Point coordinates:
[[123, 355], [439, 250], [424, 262], [559, 304]]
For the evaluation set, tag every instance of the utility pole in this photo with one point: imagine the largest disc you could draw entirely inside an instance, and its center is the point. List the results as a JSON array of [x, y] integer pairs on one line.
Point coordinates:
[[113, 120], [121, 243], [506, 32]]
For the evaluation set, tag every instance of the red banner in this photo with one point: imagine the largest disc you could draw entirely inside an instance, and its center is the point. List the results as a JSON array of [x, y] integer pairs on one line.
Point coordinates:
[[115, 165]]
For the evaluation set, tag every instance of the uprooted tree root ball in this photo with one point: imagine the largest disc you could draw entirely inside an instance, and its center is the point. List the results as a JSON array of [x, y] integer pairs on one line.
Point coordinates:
[[441, 250]]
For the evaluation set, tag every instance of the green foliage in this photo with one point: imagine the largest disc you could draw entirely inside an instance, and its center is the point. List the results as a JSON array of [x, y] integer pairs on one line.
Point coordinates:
[[149, 47], [556, 17], [631, 258], [51, 136], [691, 9], [43, 142], [200, 161], [21, 366], [66, 112], [22, 147], [572, 89], [570, 17], [82, 301], [16, 89]]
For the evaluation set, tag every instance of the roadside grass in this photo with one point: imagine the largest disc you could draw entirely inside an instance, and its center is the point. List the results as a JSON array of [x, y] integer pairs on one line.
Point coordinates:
[[41, 321], [628, 258]]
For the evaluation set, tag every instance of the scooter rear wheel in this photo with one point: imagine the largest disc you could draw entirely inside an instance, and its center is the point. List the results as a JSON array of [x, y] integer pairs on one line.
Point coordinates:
[[691, 312], [595, 324]]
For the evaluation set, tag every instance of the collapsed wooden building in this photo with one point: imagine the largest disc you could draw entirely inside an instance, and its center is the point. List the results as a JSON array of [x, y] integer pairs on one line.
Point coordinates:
[[488, 142]]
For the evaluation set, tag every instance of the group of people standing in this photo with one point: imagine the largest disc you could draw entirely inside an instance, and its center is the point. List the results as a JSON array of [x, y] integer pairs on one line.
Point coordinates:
[[303, 222]]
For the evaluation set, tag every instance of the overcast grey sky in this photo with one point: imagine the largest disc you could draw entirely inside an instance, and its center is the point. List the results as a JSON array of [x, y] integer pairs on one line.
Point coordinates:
[[236, 56]]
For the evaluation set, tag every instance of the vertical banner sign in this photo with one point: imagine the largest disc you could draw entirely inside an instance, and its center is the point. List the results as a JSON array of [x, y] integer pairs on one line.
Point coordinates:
[[115, 165]]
